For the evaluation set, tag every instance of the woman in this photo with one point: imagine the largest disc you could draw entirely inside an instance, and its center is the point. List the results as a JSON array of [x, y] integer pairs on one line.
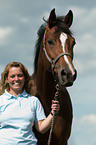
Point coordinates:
[[19, 111]]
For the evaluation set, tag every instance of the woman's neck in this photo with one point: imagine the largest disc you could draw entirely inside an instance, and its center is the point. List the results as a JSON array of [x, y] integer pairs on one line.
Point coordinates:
[[15, 93]]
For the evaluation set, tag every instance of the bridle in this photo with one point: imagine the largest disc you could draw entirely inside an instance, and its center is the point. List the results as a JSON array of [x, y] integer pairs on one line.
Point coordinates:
[[53, 61]]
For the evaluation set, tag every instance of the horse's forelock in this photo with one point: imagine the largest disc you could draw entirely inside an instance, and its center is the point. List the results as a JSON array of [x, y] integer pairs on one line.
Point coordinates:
[[61, 26]]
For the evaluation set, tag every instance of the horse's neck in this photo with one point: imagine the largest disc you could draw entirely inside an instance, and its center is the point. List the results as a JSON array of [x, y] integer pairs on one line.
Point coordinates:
[[45, 83], [45, 87]]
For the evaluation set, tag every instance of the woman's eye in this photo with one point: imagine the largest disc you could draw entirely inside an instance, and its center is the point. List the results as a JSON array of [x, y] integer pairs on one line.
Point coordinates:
[[20, 75], [50, 42], [12, 76]]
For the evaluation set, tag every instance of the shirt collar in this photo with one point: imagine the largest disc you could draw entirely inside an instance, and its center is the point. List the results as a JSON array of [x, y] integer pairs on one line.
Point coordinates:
[[9, 96], [24, 94]]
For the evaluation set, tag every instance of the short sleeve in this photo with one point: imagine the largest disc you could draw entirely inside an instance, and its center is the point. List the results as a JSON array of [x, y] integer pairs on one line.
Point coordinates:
[[39, 111]]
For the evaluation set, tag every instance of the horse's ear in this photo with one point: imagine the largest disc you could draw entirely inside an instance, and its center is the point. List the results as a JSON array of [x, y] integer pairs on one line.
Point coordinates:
[[52, 18], [69, 18]]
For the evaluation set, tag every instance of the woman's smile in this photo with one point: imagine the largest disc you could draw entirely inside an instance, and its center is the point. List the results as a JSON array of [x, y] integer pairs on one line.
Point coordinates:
[[16, 84]]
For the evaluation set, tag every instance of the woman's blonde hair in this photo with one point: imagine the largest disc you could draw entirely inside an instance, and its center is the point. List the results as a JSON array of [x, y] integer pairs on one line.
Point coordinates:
[[4, 75]]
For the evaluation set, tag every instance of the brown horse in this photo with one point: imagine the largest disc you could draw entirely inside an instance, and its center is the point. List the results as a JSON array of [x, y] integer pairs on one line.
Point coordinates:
[[53, 64]]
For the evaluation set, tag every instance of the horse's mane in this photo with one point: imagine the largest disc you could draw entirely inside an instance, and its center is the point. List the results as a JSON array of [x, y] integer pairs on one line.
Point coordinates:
[[40, 34], [60, 27]]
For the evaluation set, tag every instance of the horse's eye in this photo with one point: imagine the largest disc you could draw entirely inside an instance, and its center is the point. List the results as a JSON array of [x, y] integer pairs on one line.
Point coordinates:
[[50, 42]]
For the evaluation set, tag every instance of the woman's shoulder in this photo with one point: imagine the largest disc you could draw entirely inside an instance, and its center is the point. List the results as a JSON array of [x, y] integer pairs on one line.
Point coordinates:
[[3, 96], [32, 97]]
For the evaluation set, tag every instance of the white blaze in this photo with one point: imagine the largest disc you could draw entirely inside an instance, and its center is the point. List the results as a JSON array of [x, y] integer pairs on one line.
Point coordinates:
[[63, 38]]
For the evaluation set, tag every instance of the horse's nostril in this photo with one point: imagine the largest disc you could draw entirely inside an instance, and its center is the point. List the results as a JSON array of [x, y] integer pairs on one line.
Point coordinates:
[[63, 72], [69, 75]]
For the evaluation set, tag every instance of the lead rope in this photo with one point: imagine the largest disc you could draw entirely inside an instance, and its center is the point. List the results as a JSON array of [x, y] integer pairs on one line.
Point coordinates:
[[52, 123]]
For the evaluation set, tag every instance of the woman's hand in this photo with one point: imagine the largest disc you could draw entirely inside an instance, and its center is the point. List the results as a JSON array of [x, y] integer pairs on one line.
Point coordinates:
[[55, 107]]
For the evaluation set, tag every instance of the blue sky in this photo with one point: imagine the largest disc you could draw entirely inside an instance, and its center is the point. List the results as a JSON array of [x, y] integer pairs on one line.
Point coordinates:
[[19, 22]]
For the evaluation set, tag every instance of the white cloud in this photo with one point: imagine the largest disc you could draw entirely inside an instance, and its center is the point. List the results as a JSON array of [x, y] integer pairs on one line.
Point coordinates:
[[4, 32], [91, 119], [24, 20], [84, 18], [86, 53], [84, 130], [84, 27], [87, 43]]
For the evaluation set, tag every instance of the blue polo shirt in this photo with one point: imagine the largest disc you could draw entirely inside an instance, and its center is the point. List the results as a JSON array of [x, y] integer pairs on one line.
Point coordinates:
[[17, 116]]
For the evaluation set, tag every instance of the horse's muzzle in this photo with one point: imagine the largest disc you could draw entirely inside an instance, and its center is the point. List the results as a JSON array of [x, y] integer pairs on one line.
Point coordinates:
[[67, 78]]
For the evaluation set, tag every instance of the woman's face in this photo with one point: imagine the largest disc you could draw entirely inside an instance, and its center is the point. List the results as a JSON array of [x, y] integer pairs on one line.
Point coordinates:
[[15, 80]]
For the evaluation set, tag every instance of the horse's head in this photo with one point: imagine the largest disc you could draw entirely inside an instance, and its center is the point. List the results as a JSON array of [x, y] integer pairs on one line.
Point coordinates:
[[58, 44]]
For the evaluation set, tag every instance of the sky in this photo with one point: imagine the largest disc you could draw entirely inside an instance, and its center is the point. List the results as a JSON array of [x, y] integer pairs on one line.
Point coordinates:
[[19, 23]]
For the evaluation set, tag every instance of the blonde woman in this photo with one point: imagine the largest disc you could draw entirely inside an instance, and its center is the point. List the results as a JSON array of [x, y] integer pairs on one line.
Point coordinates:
[[19, 111]]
